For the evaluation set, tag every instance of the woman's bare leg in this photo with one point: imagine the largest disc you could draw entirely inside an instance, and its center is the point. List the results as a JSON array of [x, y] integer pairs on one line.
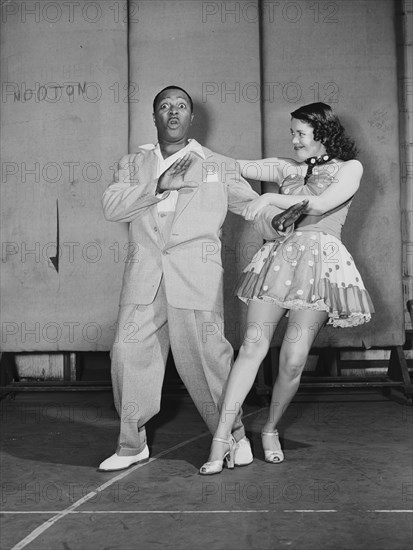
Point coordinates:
[[303, 327], [262, 319]]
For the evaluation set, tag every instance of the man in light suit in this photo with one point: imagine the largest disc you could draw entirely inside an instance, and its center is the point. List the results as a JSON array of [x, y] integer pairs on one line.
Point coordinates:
[[175, 196]]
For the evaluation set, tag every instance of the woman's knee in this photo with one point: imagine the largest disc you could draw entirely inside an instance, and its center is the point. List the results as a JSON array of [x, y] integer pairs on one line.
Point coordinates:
[[254, 349], [292, 364]]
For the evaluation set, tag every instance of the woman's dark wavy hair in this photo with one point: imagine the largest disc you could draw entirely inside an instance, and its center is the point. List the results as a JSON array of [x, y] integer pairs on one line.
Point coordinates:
[[327, 129]]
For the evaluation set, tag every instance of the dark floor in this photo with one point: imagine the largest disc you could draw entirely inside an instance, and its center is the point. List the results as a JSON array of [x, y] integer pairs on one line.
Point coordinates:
[[346, 482]]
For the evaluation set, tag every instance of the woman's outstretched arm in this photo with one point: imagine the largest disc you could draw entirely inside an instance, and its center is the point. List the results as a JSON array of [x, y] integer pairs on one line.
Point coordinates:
[[270, 169], [345, 184]]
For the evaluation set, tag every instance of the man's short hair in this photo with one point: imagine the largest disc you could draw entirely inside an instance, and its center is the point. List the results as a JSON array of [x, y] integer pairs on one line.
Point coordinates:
[[172, 88]]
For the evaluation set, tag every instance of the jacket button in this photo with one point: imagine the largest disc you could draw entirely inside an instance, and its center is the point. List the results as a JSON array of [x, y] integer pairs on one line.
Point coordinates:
[[165, 252], [155, 229]]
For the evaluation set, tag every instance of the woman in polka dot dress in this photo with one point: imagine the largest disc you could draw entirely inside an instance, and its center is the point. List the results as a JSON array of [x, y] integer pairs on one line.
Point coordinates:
[[309, 273]]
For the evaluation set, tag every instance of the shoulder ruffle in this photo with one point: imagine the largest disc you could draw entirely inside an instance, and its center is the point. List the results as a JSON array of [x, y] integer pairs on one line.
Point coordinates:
[[317, 183]]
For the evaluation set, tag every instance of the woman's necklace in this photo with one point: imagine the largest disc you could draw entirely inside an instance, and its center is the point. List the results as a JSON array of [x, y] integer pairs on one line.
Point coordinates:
[[315, 161]]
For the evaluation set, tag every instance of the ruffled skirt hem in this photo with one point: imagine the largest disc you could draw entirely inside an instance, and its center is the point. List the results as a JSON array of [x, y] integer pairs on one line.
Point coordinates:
[[303, 283], [336, 318]]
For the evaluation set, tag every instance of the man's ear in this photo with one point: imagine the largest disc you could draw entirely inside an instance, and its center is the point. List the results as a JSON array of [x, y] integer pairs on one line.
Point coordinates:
[[153, 118], [192, 117]]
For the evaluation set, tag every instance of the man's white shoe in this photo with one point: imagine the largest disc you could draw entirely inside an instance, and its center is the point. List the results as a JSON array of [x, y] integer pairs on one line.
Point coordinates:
[[243, 453], [116, 462]]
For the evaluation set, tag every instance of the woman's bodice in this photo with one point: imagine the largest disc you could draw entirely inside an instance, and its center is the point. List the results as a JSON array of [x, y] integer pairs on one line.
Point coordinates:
[[330, 222]]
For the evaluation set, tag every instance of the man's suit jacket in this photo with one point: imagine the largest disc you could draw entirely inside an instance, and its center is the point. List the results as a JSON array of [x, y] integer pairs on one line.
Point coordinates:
[[189, 258]]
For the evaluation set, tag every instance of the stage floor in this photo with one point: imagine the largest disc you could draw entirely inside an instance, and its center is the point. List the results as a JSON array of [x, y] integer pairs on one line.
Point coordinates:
[[346, 482]]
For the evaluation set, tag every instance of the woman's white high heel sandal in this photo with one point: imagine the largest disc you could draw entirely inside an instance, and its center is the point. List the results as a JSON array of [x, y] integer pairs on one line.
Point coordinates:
[[216, 466], [274, 456]]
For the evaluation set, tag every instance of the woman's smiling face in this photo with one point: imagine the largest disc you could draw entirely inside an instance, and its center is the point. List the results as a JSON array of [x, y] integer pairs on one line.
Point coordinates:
[[302, 137]]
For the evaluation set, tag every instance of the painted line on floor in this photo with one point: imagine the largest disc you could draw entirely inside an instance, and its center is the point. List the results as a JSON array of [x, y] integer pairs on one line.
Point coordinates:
[[120, 512], [391, 511], [70, 509]]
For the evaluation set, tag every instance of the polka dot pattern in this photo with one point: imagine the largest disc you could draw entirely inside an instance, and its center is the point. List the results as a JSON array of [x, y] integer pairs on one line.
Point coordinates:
[[309, 268]]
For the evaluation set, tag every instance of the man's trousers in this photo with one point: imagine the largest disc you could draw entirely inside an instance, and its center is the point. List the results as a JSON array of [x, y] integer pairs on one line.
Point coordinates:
[[202, 355]]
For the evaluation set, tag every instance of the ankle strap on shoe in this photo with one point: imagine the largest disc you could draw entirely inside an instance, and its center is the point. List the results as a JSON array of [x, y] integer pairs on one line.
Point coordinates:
[[221, 440]]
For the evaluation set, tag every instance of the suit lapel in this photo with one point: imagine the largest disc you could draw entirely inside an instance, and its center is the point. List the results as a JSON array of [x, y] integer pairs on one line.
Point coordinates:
[[194, 174], [185, 195], [147, 173]]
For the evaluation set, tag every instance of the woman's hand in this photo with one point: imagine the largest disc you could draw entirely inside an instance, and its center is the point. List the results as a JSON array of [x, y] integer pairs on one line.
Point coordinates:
[[255, 206]]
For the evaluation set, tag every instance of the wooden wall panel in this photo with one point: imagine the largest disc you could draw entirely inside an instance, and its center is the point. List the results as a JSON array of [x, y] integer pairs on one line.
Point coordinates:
[[62, 127], [211, 50], [344, 53], [65, 122]]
